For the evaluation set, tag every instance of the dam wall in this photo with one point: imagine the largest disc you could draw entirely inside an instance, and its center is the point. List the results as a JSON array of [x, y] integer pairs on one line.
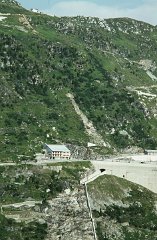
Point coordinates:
[[144, 174]]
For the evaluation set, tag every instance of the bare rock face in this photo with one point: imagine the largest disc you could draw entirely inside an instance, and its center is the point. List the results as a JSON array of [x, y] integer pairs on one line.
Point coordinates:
[[68, 217]]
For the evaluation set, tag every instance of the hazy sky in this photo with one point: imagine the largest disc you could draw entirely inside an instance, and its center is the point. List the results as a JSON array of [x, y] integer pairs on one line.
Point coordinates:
[[145, 10]]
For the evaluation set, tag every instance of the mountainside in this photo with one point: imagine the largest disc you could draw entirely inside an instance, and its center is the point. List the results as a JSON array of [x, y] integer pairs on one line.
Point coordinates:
[[75, 80], [47, 202], [44, 202], [11, 6]]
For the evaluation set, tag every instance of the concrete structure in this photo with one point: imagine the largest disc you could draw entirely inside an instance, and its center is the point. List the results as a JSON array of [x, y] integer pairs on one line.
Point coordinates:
[[91, 144], [143, 174], [57, 151], [35, 10], [150, 152], [139, 158]]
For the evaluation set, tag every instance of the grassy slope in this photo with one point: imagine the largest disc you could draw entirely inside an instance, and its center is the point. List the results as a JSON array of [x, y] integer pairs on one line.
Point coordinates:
[[12, 7], [129, 208], [59, 58]]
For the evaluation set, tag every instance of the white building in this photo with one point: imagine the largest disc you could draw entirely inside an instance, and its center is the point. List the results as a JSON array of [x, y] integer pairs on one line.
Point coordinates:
[[35, 10], [57, 151]]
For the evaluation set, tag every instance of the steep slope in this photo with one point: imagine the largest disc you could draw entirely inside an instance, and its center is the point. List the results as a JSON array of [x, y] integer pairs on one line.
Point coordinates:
[[44, 202], [109, 66], [122, 210], [11, 6]]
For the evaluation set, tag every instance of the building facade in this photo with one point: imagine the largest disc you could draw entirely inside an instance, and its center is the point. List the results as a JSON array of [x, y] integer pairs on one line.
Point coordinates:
[[57, 151]]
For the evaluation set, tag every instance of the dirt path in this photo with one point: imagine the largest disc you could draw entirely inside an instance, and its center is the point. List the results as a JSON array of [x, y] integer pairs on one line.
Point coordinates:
[[23, 19], [150, 74], [21, 204]]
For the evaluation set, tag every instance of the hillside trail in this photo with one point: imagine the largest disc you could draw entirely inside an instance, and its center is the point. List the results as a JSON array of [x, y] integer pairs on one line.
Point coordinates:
[[23, 19], [89, 127]]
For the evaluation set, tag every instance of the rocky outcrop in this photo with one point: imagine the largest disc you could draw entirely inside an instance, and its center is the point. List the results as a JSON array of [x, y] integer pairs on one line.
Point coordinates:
[[68, 217]]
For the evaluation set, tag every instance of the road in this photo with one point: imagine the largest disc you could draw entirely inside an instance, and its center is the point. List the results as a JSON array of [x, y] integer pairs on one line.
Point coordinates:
[[141, 171]]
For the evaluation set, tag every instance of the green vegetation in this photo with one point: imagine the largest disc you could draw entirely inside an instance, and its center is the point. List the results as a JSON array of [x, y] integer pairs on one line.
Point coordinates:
[[21, 182], [132, 208], [10, 6], [43, 58], [9, 229]]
